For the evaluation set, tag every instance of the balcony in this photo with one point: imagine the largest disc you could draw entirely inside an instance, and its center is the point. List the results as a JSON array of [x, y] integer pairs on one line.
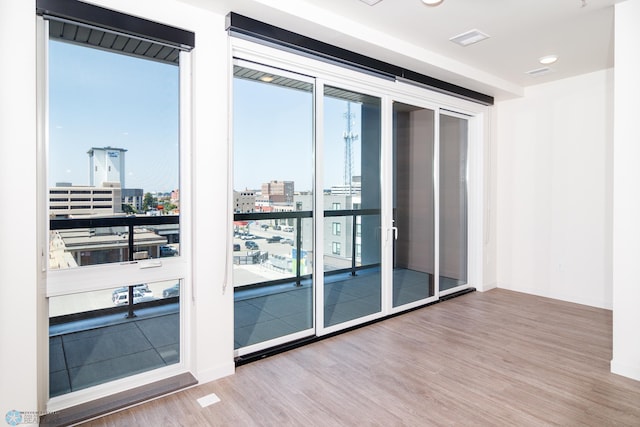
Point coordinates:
[[273, 283]]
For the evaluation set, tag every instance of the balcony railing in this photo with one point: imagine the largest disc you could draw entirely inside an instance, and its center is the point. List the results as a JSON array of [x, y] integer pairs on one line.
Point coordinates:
[[276, 218], [118, 221], [129, 223]]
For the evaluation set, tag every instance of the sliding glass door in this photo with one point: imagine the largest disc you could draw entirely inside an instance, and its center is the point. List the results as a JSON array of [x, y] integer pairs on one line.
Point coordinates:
[[429, 203], [347, 206], [454, 136], [351, 205], [413, 204], [273, 199]]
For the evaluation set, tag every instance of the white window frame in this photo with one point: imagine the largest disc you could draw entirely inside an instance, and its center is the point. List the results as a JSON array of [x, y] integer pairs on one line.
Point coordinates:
[[113, 275]]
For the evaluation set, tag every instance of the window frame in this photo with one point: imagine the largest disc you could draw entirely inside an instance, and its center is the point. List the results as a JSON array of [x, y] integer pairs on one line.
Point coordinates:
[[106, 276], [336, 228]]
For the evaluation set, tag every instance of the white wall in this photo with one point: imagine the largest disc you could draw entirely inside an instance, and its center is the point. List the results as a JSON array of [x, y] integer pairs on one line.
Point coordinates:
[[18, 251], [554, 190], [626, 197]]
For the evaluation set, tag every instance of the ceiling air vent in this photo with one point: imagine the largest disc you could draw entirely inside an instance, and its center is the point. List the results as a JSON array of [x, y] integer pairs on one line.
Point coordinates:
[[468, 38], [539, 72]]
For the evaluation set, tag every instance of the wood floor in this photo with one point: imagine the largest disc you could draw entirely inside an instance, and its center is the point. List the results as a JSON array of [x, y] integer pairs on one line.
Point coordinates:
[[498, 358]]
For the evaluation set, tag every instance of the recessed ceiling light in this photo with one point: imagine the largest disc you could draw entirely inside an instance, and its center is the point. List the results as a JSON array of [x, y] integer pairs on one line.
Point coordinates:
[[371, 2], [267, 79], [432, 2], [468, 38], [549, 59]]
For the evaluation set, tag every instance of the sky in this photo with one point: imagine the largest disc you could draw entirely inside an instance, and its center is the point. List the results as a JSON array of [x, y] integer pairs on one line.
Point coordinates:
[[273, 136], [98, 99]]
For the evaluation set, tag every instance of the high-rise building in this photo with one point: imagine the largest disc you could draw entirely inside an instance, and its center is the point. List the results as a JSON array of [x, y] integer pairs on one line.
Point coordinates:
[[106, 165]]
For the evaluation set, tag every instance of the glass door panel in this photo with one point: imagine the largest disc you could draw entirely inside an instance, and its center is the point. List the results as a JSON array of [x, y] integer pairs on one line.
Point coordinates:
[[352, 251], [454, 135], [413, 204], [273, 205]]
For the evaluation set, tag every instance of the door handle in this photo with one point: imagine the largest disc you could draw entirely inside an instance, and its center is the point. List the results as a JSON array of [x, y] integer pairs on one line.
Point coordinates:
[[395, 233], [151, 264]]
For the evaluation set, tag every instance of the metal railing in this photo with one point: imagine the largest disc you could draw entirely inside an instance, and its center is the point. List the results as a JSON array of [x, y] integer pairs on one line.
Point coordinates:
[[56, 224], [298, 216]]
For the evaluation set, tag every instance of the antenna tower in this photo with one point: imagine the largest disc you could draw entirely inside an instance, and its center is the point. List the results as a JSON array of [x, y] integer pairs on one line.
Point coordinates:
[[349, 138]]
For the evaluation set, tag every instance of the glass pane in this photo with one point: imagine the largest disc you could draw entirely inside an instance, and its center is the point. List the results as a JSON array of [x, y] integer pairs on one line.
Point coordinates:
[[97, 337], [113, 153], [413, 203], [453, 201], [352, 279], [273, 203], [100, 245]]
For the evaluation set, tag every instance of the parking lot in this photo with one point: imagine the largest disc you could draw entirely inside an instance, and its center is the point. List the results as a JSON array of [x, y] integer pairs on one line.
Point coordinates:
[[265, 240]]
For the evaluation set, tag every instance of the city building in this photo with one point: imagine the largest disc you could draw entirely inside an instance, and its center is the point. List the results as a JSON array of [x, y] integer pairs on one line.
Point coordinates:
[[106, 164], [552, 222], [278, 191], [244, 201], [133, 197], [85, 200], [354, 188], [339, 245]]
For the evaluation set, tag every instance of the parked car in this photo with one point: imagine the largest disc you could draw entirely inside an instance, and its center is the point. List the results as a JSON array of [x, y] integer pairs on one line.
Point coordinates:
[[250, 244], [173, 291], [138, 297], [166, 250], [236, 247], [274, 239], [287, 242], [142, 288]]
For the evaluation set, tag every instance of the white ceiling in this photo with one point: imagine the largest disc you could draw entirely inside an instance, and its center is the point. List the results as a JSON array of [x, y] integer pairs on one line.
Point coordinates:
[[414, 36]]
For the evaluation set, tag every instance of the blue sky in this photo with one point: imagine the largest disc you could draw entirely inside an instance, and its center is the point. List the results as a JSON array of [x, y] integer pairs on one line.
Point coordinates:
[[273, 136], [98, 99]]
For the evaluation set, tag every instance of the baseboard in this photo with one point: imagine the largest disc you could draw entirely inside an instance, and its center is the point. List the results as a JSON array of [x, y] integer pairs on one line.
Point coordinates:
[[576, 299], [626, 370], [208, 375], [486, 287]]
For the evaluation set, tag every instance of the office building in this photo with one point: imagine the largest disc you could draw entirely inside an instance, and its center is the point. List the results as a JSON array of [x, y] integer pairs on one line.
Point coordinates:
[[106, 165], [278, 191]]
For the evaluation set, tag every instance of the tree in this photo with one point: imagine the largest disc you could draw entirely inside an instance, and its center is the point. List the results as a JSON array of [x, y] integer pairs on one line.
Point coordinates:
[[128, 209], [149, 202]]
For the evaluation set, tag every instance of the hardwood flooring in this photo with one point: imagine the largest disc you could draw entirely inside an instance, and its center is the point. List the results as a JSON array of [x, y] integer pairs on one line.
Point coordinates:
[[498, 358]]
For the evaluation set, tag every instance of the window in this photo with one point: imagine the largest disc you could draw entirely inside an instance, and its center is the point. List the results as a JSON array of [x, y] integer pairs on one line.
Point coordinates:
[[336, 227], [335, 248], [104, 85], [335, 206]]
